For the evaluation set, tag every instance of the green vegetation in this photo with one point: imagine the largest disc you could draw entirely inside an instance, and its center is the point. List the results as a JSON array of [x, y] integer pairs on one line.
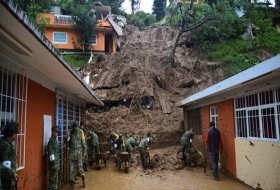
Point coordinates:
[[218, 38], [77, 60], [85, 22], [34, 11], [141, 19], [159, 7]]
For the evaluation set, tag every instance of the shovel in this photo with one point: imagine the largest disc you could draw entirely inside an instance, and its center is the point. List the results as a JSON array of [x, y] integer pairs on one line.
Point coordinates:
[[205, 160]]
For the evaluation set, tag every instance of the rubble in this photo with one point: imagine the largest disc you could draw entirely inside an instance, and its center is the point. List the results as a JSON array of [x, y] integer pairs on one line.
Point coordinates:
[[140, 89]]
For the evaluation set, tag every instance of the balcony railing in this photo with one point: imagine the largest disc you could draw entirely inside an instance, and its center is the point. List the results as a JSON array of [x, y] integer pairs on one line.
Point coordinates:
[[63, 19]]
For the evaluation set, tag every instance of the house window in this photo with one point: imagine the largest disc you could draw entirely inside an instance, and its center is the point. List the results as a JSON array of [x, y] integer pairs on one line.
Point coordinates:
[[214, 115], [93, 40], [60, 37], [257, 116], [13, 101], [194, 120], [52, 9]]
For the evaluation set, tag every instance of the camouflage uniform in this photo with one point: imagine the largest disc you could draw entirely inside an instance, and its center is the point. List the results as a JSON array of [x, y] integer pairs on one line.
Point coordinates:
[[118, 148], [6, 173], [77, 146], [85, 158], [186, 142], [129, 145], [8, 153], [94, 145], [144, 155], [54, 160]]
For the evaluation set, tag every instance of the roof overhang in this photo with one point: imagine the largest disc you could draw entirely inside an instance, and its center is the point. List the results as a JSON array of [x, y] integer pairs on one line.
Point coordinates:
[[264, 75], [22, 42]]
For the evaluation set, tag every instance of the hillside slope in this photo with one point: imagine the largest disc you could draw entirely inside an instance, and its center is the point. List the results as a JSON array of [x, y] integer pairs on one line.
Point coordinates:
[[140, 88]]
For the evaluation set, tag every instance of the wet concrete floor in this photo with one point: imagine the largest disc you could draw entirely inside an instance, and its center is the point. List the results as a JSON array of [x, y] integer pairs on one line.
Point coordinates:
[[110, 178]]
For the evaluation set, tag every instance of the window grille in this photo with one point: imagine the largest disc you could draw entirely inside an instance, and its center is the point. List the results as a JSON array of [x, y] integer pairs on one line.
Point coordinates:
[[194, 120], [13, 101], [68, 110], [257, 116], [60, 37], [214, 115]]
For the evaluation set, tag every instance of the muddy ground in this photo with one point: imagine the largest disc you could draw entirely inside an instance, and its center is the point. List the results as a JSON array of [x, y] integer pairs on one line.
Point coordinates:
[[112, 178], [140, 90]]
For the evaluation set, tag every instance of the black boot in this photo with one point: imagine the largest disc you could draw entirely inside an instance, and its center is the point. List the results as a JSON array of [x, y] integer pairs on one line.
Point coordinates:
[[84, 182], [71, 185], [86, 168]]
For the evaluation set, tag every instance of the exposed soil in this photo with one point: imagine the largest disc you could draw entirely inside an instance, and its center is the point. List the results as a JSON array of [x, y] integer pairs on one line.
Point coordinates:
[[140, 90], [112, 178]]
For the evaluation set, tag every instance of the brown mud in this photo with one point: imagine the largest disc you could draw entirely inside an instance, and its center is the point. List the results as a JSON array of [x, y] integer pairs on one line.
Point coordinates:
[[113, 178], [140, 90]]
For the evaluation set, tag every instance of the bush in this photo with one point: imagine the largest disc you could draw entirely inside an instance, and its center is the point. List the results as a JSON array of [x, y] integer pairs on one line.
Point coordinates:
[[77, 60]]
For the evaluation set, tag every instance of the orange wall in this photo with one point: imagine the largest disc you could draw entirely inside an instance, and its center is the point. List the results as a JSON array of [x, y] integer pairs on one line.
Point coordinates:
[[51, 17], [71, 34], [41, 101], [59, 27], [100, 46], [226, 127]]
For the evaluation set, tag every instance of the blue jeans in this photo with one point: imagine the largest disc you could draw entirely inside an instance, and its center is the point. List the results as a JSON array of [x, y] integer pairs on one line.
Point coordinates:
[[214, 156]]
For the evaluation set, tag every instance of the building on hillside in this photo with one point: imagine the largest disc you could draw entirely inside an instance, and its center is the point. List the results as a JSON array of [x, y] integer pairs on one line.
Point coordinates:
[[38, 89], [61, 34], [246, 110]]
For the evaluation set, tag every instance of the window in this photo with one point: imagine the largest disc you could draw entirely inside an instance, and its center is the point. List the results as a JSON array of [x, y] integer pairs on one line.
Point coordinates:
[[214, 115], [68, 110], [257, 116], [93, 40], [60, 37], [194, 120], [13, 100], [52, 9]]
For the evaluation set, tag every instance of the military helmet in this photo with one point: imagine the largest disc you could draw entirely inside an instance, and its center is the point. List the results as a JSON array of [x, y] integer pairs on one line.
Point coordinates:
[[75, 124], [55, 129], [12, 126]]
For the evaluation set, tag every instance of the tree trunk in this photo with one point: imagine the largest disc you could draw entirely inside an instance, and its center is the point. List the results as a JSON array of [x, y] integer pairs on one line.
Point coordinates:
[[175, 46]]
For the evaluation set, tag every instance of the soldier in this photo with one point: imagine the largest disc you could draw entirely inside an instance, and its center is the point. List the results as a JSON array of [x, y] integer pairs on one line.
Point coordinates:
[[144, 148], [8, 155], [129, 146], [113, 136], [85, 159], [94, 145], [54, 159], [5, 173], [118, 147], [77, 151], [186, 142]]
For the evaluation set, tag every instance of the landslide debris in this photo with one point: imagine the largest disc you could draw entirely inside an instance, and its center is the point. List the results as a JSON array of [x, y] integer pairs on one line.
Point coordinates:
[[140, 88]]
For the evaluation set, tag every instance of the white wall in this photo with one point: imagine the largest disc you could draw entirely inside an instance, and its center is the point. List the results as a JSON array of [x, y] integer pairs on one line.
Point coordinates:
[[258, 163]]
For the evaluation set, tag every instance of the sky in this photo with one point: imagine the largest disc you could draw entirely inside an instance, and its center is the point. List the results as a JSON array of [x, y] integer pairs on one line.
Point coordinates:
[[145, 5]]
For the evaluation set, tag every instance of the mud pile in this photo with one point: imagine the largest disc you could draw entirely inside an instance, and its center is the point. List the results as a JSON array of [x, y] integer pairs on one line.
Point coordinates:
[[140, 88]]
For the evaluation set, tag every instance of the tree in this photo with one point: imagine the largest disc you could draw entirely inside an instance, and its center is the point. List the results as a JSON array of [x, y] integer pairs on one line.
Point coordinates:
[[85, 23], [34, 12], [135, 5], [141, 19], [207, 24], [66, 4], [44, 4], [115, 6], [159, 7]]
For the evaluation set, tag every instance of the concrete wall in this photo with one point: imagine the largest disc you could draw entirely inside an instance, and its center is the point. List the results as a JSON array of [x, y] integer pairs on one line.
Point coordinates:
[[226, 127], [41, 101], [60, 27], [258, 163]]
